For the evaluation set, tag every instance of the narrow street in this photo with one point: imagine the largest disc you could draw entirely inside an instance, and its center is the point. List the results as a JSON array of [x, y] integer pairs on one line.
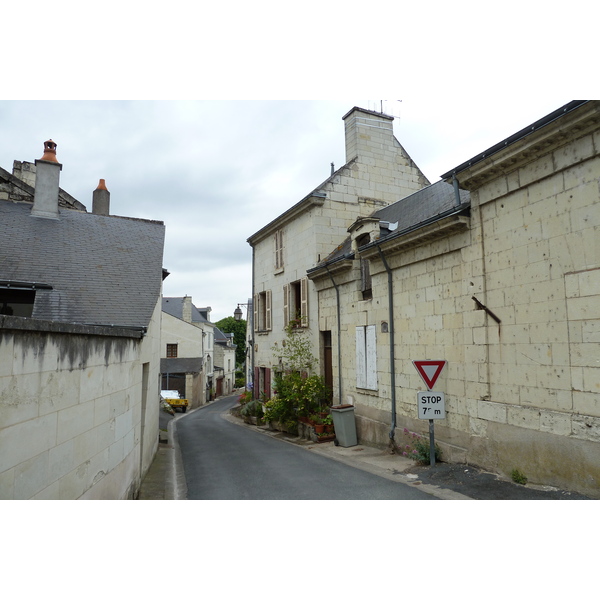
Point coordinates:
[[225, 461]]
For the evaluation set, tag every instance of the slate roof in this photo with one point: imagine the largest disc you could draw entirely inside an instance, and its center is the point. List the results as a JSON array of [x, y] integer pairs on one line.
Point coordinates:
[[101, 270], [428, 204], [174, 307]]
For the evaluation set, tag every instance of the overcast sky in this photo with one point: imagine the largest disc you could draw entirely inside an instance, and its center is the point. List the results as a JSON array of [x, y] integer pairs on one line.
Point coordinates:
[[217, 171]]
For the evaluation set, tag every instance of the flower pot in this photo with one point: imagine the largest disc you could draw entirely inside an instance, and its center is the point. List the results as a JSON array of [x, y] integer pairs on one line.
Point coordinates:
[[319, 428]]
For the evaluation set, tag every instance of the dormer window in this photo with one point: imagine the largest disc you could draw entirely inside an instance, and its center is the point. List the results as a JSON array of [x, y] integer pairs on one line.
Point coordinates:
[[17, 299]]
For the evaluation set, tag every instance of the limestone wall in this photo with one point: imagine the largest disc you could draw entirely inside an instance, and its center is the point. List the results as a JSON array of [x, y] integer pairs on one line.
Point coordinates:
[[523, 393], [78, 411]]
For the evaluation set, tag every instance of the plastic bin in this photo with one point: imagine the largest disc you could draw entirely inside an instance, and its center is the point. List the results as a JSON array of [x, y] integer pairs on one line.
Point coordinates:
[[344, 424]]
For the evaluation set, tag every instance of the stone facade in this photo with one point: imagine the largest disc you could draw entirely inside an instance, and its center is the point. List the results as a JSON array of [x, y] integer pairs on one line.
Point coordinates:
[[188, 339], [509, 295], [79, 416], [378, 171]]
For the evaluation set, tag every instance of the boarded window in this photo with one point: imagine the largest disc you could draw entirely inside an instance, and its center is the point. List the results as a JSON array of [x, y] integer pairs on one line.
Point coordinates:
[[366, 358]]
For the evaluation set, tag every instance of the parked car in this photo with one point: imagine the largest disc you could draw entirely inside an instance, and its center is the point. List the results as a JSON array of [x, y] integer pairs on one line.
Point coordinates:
[[173, 397]]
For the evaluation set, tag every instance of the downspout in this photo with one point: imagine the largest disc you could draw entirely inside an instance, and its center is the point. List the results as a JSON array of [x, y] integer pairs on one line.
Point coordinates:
[[252, 328], [392, 345], [339, 337]]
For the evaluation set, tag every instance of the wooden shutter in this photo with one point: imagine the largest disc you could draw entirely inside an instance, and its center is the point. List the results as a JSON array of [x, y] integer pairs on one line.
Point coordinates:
[[255, 310], [268, 323], [267, 389], [286, 305], [304, 302], [278, 249], [256, 382], [361, 375], [371, 358]]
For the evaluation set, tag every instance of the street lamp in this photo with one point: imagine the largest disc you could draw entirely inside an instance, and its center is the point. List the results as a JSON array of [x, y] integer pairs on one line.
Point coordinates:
[[237, 313]]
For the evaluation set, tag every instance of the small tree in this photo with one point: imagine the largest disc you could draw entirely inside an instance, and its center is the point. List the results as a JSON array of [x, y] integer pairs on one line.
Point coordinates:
[[298, 392], [238, 328], [295, 353]]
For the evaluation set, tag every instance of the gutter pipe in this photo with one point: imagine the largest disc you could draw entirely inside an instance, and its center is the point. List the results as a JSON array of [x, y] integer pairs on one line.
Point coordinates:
[[392, 343], [339, 337]]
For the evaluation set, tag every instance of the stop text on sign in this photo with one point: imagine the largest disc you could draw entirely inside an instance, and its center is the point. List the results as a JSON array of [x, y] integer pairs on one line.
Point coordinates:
[[431, 405]]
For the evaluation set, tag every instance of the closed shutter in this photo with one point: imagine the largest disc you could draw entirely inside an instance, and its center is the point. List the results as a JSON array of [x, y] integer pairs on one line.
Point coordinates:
[[304, 302], [371, 358], [361, 377]]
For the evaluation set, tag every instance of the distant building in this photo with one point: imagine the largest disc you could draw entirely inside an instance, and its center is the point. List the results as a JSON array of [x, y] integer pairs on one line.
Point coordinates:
[[187, 350]]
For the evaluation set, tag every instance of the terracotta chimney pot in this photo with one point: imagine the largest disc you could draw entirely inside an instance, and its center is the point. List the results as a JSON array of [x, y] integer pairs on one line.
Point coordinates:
[[49, 151]]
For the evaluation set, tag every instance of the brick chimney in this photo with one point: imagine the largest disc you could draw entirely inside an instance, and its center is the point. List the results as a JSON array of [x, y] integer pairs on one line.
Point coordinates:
[[368, 133], [101, 200], [45, 199]]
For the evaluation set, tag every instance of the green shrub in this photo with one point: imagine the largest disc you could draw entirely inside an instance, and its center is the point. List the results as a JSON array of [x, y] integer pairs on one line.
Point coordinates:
[[518, 477]]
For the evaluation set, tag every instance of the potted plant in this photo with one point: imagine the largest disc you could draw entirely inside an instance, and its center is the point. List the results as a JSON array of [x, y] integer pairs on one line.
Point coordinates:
[[328, 422], [318, 424]]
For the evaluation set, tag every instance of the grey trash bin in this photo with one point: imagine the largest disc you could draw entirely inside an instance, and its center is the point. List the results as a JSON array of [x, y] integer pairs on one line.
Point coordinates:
[[344, 424]]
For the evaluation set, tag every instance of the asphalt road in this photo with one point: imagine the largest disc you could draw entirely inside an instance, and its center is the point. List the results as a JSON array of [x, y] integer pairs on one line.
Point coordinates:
[[223, 461]]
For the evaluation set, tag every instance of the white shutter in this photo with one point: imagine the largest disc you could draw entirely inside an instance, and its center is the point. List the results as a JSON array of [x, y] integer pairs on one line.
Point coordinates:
[[371, 358], [268, 311], [361, 379], [256, 313], [304, 302], [286, 305]]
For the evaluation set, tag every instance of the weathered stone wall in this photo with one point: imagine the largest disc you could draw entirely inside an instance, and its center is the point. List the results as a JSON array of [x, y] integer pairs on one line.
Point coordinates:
[[78, 410], [523, 393]]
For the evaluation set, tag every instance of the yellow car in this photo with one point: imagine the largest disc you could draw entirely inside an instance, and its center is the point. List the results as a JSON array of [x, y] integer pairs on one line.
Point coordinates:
[[173, 397]]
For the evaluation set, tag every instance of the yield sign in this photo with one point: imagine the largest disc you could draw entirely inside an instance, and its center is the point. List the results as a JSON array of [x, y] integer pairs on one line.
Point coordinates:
[[429, 370]]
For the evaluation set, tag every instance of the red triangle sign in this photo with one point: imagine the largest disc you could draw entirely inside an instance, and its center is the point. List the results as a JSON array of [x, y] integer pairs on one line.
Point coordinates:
[[429, 370]]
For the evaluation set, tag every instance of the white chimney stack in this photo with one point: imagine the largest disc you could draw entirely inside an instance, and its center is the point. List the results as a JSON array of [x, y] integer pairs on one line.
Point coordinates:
[[45, 200]]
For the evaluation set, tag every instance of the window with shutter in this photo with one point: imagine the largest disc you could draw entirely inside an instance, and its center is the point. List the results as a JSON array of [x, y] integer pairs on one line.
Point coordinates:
[[278, 250], [366, 358]]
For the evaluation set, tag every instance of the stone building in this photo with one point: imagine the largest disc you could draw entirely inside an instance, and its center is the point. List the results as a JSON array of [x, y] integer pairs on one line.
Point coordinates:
[[495, 269], [377, 172], [187, 350], [79, 341], [224, 363]]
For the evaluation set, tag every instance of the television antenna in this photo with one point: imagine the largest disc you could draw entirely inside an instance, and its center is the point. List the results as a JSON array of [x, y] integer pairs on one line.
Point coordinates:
[[383, 107]]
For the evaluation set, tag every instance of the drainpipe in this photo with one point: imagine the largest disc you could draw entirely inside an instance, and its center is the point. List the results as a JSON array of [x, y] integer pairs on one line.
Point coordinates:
[[252, 329], [339, 328], [392, 344]]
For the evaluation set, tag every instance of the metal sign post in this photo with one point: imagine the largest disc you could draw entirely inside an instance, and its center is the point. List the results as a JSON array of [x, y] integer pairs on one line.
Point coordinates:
[[430, 405]]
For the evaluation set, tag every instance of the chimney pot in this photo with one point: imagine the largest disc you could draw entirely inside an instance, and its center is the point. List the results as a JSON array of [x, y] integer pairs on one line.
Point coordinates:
[[49, 151]]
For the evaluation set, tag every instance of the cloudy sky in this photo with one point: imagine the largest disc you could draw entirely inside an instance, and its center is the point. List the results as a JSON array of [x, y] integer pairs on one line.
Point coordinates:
[[217, 171]]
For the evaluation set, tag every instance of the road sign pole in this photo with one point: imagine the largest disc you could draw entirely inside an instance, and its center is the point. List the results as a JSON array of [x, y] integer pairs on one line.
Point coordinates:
[[431, 444]]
